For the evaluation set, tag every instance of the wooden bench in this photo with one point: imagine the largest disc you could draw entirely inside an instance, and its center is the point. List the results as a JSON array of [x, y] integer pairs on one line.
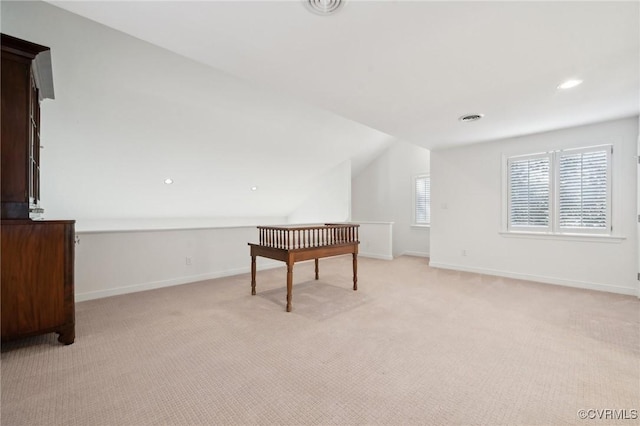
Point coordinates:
[[291, 244]]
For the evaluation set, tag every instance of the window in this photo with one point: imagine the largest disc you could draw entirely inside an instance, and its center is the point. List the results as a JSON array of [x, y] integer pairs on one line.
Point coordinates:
[[560, 192], [529, 192], [422, 200], [583, 190]]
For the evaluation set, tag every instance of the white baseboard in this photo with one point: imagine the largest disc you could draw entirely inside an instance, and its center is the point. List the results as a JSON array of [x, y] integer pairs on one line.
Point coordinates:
[[376, 256], [415, 253], [81, 297], [539, 278]]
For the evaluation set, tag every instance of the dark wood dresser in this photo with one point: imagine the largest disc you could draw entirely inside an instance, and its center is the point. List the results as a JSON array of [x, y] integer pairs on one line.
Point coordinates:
[[37, 278], [37, 256]]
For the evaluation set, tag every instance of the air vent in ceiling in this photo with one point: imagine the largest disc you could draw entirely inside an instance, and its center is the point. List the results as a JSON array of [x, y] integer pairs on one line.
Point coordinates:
[[324, 7], [471, 117]]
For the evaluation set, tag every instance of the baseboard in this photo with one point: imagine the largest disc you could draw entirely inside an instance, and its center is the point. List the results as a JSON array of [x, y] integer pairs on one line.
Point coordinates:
[[415, 253], [539, 278], [376, 256], [81, 297]]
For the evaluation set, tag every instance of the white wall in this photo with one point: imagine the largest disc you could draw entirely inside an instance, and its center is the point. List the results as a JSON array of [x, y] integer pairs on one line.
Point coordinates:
[[134, 255], [111, 263], [124, 256], [376, 240], [467, 197], [328, 197], [383, 192]]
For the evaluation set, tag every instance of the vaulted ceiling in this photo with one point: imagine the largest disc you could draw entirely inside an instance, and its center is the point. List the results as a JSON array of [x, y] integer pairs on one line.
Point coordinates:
[[222, 96], [410, 69]]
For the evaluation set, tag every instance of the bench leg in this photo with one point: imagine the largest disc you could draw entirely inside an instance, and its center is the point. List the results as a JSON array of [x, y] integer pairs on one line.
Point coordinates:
[[355, 271], [289, 284], [317, 270], [253, 275]]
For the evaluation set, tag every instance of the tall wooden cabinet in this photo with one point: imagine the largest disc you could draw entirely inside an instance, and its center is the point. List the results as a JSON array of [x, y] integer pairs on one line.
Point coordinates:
[[37, 256]]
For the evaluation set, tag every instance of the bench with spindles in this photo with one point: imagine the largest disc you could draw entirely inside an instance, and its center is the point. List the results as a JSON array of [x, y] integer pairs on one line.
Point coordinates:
[[297, 243]]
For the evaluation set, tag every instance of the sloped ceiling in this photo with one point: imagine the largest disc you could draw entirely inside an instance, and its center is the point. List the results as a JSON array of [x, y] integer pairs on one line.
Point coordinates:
[[128, 115], [411, 68], [222, 96]]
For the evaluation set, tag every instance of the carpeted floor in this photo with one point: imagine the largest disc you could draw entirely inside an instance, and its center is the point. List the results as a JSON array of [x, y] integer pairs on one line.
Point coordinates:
[[413, 345]]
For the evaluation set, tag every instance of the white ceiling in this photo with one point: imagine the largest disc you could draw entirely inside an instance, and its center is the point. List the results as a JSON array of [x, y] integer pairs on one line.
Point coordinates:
[[410, 69]]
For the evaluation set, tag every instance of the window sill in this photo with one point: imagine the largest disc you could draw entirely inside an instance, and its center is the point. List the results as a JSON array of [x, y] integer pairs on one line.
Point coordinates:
[[592, 238], [420, 226]]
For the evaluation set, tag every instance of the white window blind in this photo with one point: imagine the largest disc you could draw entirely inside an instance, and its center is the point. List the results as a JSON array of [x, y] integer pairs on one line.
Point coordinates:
[[422, 200], [529, 192], [560, 192], [583, 196]]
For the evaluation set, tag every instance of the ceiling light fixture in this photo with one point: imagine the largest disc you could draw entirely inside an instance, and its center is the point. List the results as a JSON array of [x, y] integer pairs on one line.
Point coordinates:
[[254, 188], [569, 84], [168, 181], [470, 117], [324, 7]]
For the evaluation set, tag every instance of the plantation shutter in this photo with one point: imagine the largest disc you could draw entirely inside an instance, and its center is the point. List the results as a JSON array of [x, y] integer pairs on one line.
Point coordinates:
[[423, 200], [529, 191], [583, 199]]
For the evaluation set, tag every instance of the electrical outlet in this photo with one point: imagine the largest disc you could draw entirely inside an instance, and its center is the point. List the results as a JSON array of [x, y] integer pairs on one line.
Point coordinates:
[[187, 261], [464, 252]]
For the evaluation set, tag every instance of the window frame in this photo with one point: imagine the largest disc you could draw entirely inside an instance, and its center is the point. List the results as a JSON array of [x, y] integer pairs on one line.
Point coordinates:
[[414, 181], [554, 229]]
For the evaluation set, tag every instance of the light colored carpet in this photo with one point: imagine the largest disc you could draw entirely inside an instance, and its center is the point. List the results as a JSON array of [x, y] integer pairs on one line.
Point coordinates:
[[413, 345]]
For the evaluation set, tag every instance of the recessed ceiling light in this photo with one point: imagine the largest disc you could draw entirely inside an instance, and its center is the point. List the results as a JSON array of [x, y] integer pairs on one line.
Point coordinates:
[[569, 84], [470, 117], [324, 7], [168, 181], [254, 188]]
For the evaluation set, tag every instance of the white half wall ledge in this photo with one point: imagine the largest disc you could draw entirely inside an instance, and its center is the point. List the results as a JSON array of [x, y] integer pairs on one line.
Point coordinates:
[[98, 226], [584, 285], [366, 222], [190, 279], [176, 228], [131, 231]]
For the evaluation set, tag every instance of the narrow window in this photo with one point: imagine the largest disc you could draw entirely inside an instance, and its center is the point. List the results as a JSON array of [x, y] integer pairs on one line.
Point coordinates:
[[422, 199]]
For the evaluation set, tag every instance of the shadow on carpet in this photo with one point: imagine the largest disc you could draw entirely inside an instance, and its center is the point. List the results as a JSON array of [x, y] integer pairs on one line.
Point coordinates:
[[317, 300]]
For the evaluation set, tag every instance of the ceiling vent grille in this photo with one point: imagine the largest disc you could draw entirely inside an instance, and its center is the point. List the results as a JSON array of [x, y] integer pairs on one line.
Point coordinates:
[[324, 7], [471, 117]]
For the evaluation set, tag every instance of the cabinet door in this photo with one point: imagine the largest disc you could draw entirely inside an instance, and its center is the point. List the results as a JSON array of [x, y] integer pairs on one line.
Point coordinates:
[[34, 144], [33, 259], [16, 131]]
